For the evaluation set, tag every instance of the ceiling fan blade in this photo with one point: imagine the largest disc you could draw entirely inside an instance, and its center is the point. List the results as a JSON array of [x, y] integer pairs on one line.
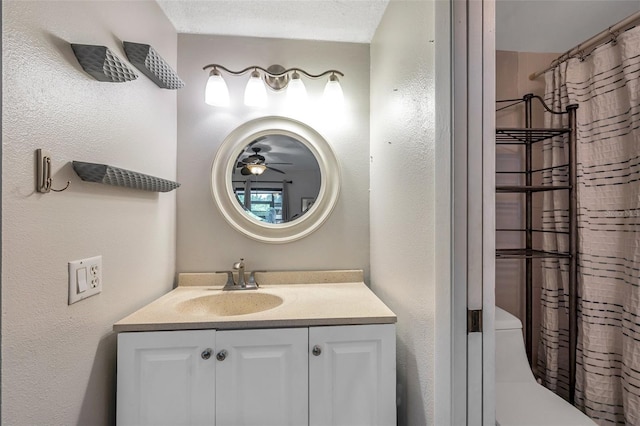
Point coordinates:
[[284, 164], [253, 159], [275, 170]]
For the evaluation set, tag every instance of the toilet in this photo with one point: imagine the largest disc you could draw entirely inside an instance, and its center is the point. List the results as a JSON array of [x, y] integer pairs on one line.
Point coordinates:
[[520, 400]]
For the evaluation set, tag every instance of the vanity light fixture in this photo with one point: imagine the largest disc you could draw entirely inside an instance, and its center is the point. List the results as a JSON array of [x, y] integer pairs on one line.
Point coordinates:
[[216, 92], [255, 94], [333, 95], [296, 92], [276, 78]]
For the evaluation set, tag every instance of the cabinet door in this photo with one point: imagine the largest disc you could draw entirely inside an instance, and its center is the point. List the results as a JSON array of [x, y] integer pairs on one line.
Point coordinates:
[[352, 377], [263, 380], [164, 378]]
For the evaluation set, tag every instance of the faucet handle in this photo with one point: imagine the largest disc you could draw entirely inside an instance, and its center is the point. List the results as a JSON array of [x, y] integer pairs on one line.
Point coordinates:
[[230, 283], [252, 279]]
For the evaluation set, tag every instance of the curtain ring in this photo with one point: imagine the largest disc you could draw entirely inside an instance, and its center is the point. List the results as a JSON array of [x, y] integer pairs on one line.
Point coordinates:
[[614, 36]]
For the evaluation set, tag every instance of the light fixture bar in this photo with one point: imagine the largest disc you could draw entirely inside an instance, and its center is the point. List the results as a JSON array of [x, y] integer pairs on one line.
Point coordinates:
[[275, 77], [272, 74]]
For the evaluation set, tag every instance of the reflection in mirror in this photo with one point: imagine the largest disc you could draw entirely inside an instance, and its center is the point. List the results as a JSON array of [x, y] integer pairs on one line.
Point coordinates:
[[278, 172]]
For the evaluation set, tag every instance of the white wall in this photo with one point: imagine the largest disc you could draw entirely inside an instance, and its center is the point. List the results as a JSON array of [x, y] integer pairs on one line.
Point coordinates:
[[205, 241], [403, 149], [58, 361]]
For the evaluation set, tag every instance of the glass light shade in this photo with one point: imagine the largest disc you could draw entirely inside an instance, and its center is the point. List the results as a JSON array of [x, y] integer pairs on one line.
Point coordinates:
[[255, 94], [216, 93], [333, 96], [256, 169], [296, 92]]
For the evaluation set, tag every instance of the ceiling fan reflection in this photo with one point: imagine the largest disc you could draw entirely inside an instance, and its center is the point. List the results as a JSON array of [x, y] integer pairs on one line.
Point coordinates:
[[255, 164]]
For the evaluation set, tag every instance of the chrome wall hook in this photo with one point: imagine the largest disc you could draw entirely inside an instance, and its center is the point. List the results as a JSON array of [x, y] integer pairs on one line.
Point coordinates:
[[44, 181]]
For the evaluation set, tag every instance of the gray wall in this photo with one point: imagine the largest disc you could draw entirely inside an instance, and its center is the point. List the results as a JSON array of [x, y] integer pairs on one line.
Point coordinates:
[[205, 241], [555, 26], [58, 361]]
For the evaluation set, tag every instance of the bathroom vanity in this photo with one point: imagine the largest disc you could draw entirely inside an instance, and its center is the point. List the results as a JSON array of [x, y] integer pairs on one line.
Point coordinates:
[[306, 348]]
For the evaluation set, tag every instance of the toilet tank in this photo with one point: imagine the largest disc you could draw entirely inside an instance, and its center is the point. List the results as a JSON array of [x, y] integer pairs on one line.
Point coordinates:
[[506, 321], [512, 364]]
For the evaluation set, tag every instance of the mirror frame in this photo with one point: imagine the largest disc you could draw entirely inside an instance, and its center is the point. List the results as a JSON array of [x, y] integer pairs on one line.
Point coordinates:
[[225, 162]]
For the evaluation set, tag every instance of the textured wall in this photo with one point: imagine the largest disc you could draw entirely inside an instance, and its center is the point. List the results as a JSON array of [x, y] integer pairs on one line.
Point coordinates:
[[403, 194], [205, 241], [58, 361]]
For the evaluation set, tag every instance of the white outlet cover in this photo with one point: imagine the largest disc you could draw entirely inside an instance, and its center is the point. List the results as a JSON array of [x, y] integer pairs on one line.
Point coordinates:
[[85, 273]]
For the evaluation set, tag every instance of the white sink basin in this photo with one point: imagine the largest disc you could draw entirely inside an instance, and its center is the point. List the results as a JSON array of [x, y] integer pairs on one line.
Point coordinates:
[[230, 303]]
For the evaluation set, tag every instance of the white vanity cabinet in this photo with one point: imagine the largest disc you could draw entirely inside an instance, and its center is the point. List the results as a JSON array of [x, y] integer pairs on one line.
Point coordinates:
[[166, 378], [333, 375], [352, 375], [262, 380]]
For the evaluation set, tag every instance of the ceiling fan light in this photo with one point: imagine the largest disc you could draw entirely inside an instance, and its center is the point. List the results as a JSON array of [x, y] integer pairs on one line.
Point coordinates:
[[296, 91], [216, 92], [255, 94], [333, 96], [256, 169]]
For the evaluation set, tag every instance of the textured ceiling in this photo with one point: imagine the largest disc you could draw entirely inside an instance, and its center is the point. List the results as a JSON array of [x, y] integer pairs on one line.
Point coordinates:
[[329, 20]]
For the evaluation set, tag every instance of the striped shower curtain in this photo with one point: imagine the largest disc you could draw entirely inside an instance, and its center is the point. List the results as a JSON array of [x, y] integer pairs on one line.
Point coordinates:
[[606, 86]]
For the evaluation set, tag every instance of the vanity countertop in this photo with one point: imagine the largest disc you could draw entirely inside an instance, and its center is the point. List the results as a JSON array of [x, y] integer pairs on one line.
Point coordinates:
[[312, 298]]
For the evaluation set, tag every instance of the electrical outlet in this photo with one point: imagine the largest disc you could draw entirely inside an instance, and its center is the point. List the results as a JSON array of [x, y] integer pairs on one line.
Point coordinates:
[[85, 278]]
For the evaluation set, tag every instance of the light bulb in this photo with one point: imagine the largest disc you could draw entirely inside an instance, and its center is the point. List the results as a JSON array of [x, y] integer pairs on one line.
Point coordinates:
[[296, 92], [216, 93], [255, 94], [256, 169], [333, 96]]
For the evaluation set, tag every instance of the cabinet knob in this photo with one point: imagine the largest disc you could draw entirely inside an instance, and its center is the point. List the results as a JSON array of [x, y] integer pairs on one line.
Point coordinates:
[[317, 350], [206, 354], [222, 355]]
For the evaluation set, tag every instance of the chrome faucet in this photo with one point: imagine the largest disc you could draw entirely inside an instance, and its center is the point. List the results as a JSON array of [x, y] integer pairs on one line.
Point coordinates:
[[242, 284], [239, 266]]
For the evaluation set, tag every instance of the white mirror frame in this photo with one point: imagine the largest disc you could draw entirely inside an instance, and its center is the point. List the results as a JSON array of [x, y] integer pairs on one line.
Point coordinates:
[[225, 162]]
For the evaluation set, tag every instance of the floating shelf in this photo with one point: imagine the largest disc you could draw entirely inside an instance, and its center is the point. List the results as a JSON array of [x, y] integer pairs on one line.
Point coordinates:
[[147, 60], [523, 136], [109, 175], [102, 64], [529, 254]]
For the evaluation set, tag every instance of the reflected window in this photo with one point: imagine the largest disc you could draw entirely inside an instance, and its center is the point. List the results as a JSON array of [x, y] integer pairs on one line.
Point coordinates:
[[266, 203]]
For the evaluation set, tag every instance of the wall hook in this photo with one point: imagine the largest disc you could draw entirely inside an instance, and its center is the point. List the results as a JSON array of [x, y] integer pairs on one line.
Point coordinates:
[[44, 183]]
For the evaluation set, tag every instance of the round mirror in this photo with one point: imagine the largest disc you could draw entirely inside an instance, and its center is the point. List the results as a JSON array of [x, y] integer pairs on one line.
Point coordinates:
[[275, 179]]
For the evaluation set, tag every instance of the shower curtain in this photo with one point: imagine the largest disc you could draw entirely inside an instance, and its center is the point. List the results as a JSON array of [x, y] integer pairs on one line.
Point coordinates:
[[606, 86], [285, 201]]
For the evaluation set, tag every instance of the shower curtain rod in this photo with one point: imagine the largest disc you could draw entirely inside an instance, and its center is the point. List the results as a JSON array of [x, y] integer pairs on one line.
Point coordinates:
[[611, 32]]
